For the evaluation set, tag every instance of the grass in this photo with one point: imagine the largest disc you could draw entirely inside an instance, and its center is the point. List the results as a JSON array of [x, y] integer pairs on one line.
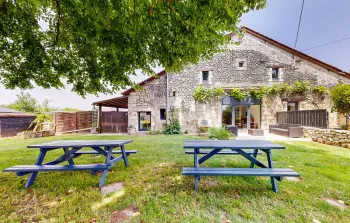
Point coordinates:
[[154, 185]]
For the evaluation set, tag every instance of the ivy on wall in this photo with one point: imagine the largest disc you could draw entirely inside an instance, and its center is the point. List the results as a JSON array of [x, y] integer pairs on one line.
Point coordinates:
[[285, 90], [202, 94]]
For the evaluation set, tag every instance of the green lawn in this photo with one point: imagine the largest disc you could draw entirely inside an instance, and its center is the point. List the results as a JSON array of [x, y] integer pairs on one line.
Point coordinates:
[[154, 185]]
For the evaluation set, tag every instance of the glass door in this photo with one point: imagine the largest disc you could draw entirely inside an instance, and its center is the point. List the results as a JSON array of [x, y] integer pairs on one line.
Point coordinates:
[[241, 116], [144, 121]]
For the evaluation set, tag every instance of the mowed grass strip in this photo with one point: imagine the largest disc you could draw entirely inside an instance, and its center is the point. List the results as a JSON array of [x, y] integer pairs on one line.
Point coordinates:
[[154, 185]]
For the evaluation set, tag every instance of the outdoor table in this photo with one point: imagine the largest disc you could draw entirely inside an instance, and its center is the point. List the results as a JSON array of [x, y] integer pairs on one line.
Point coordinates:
[[237, 147], [72, 149]]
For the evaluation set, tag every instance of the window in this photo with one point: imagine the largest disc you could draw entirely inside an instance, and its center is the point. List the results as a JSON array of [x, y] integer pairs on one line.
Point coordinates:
[[292, 106], [162, 114], [173, 94], [205, 75], [144, 121], [275, 73], [240, 63]]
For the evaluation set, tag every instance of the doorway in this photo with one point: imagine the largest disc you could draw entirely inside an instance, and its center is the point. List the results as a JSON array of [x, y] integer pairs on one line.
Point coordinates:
[[241, 113]]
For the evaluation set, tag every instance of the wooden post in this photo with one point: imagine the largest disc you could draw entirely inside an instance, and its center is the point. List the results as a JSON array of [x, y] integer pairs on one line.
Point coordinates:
[[248, 117], [76, 120], [99, 119], [233, 116]]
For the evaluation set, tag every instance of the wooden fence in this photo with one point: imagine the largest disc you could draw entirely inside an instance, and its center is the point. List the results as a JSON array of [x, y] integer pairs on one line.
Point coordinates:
[[68, 121], [312, 118], [10, 124], [113, 121]]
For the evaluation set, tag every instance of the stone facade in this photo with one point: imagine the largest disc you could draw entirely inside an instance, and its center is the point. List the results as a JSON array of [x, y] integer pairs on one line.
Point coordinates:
[[175, 90], [328, 136], [151, 98]]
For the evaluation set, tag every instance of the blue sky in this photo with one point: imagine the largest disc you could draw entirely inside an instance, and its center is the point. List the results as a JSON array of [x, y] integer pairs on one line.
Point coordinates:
[[323, 21]]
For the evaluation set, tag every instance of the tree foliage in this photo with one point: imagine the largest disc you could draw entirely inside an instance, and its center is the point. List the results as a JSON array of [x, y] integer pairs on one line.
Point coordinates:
[[25, 103], [340, 96], [96, 45]]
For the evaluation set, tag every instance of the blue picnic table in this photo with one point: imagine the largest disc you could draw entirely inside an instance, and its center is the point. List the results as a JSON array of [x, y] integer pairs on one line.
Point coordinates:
[[71, 150], [249, 149]]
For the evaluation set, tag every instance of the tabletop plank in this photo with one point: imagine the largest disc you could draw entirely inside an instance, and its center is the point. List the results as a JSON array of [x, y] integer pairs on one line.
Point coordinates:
[[231, 144], [80, 143]]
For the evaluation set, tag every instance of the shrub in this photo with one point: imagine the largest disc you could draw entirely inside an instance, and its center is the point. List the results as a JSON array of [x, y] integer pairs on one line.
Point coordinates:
[[203, 129], [172, 128], [340, 96], [344, 127], [220, 133]]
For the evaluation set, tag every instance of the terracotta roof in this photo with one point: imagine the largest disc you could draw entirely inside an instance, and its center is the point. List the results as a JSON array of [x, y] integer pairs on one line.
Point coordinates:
[[272, 42], [158, 75]]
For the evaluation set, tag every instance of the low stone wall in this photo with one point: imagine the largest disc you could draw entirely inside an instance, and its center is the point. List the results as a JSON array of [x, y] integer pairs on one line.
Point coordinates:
[[328, 136]]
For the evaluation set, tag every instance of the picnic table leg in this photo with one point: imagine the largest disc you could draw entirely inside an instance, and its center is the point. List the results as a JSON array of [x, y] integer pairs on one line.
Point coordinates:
[[125, 157], [196, 164], [270, 162], [254, 155], [66, 151], [39, 161], [108, 163]]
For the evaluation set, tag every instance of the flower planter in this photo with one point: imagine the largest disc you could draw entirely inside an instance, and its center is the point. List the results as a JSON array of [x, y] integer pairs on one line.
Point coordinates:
[[93, 130], [131, 130]]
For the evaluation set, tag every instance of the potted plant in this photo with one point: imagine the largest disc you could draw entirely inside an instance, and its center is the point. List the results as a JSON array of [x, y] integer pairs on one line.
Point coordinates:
[[93, 128], [131, 130]]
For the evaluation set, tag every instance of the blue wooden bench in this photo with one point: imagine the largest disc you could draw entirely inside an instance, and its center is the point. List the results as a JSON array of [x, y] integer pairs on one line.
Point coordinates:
[[248, 149], [92, 152], [225, 152], [46, 168], [73, 149], [266, 172]]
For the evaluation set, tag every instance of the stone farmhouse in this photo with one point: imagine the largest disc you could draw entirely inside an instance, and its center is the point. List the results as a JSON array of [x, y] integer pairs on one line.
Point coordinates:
[[256, 61]]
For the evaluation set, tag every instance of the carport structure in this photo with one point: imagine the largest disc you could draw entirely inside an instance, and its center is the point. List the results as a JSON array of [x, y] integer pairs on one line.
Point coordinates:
[[112, 121]]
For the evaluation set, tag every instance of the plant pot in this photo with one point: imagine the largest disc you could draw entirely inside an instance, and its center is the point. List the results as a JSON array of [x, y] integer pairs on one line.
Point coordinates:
[[131, 131], [93, 130]]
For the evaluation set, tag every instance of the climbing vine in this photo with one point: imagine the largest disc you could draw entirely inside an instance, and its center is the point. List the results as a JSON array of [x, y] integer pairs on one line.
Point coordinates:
[[259, 92], [202, 94], [285, 90], [238, 94]]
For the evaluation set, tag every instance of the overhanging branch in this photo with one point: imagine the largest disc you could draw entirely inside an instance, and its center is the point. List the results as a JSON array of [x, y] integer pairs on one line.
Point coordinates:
[[4, 8], [58, 23]]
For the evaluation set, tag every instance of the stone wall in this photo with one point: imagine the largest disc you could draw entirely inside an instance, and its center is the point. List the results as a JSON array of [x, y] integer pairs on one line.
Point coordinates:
[[224, 71], [328, 136], [269, 108], [151, 98], [341, 119]]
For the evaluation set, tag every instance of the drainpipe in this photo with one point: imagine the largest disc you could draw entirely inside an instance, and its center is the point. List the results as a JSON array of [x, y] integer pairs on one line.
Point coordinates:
[[166, 99]]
